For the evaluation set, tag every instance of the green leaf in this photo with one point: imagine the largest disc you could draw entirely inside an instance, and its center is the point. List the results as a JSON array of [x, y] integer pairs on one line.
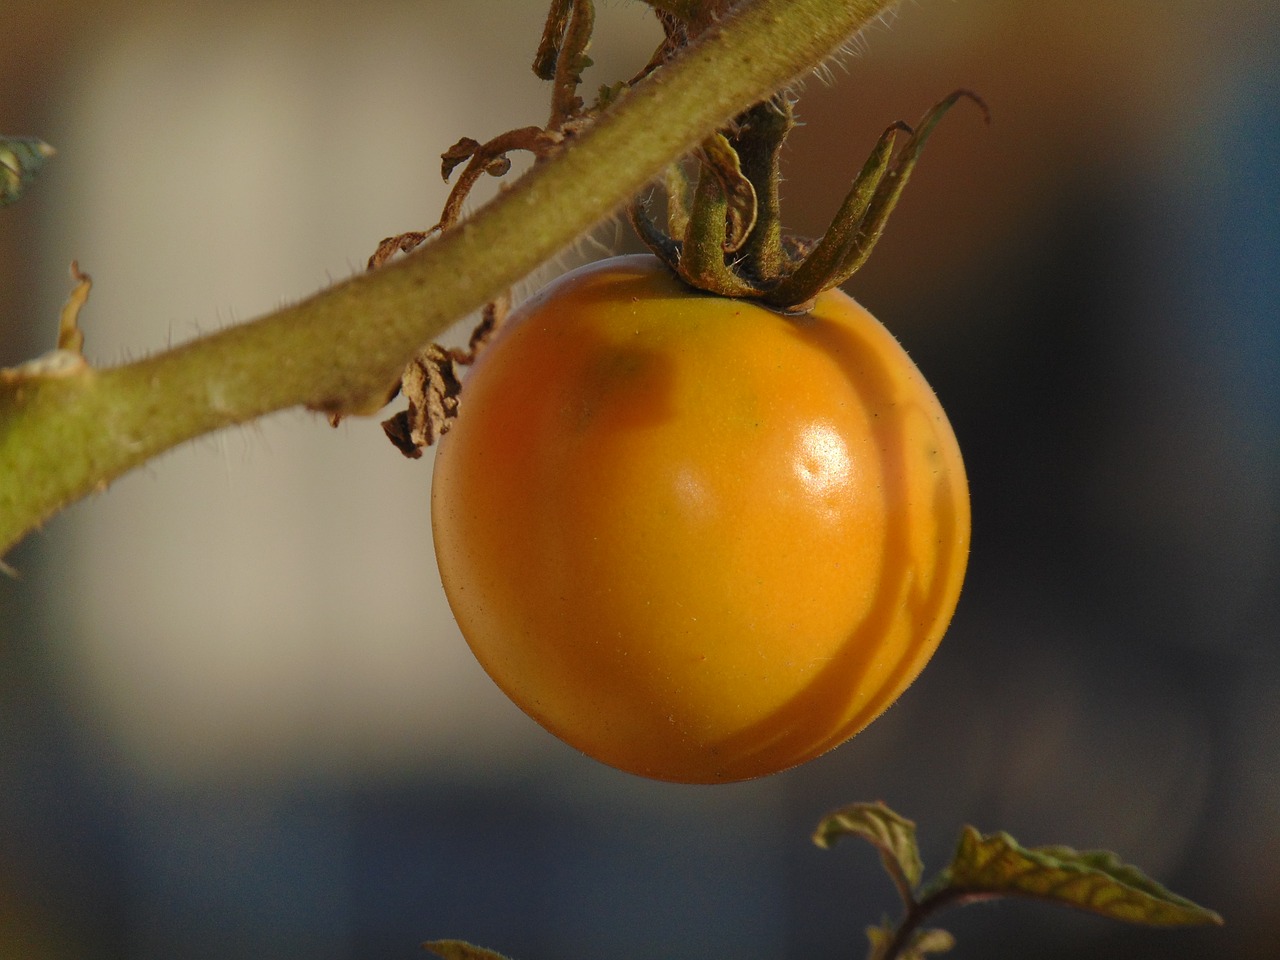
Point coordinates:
[[1093, 880], [21, 158], [610, 93], [460, 950], [894, 836], [880, 937], [933, 940], [922, 942]]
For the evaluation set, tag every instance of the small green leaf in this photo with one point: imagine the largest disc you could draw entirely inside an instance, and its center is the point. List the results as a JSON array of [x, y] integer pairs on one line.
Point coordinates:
[[922, 943], [1093, 880], [460, 950], [611, 93], [933, 940], [879, 937], [21, 158], [894, 836]]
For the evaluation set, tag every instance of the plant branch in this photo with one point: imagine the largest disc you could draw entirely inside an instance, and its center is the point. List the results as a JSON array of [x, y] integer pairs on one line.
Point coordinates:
[[918, 912], [62, 437]]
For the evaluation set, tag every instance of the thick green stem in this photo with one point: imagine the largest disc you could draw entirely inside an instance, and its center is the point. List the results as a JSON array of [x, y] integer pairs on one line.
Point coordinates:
[[61, 439]]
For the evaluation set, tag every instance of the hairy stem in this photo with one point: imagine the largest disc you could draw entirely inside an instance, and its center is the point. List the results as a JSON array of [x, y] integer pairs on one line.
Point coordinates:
[[338, 351]]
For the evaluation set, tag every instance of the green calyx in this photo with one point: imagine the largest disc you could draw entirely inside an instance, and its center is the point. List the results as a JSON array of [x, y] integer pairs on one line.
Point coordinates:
[[720, 229]]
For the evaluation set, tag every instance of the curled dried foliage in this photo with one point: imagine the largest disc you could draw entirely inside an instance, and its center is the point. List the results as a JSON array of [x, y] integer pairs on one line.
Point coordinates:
[[430, 383], [431, 386]]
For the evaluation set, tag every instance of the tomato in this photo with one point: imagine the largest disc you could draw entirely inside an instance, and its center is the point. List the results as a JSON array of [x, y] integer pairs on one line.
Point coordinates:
[[696, 539]]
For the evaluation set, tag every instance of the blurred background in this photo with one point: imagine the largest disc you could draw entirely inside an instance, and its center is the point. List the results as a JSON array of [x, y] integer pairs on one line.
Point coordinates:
[[236, 718]]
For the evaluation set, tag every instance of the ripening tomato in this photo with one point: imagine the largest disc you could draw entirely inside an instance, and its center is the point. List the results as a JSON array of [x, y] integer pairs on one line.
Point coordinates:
[[694, 538]]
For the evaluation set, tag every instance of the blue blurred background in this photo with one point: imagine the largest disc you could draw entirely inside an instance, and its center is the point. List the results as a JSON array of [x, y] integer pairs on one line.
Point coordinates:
[[235, 717]]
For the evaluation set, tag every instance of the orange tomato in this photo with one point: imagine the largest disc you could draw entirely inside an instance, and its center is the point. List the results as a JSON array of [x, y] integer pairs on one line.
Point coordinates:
[[694, 538]]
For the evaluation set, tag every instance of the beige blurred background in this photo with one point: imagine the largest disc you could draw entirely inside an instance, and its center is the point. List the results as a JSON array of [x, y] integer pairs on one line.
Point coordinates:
[[235, 715]]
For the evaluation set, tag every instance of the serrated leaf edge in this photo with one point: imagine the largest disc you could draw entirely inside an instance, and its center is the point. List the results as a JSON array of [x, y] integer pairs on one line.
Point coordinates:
[[1126, 894]]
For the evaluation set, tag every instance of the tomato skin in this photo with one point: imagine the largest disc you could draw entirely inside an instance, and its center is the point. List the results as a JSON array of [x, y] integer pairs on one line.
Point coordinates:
[[696, 539]]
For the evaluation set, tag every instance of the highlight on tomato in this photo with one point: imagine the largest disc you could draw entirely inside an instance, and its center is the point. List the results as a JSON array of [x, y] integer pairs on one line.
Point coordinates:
[[697, 539]]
